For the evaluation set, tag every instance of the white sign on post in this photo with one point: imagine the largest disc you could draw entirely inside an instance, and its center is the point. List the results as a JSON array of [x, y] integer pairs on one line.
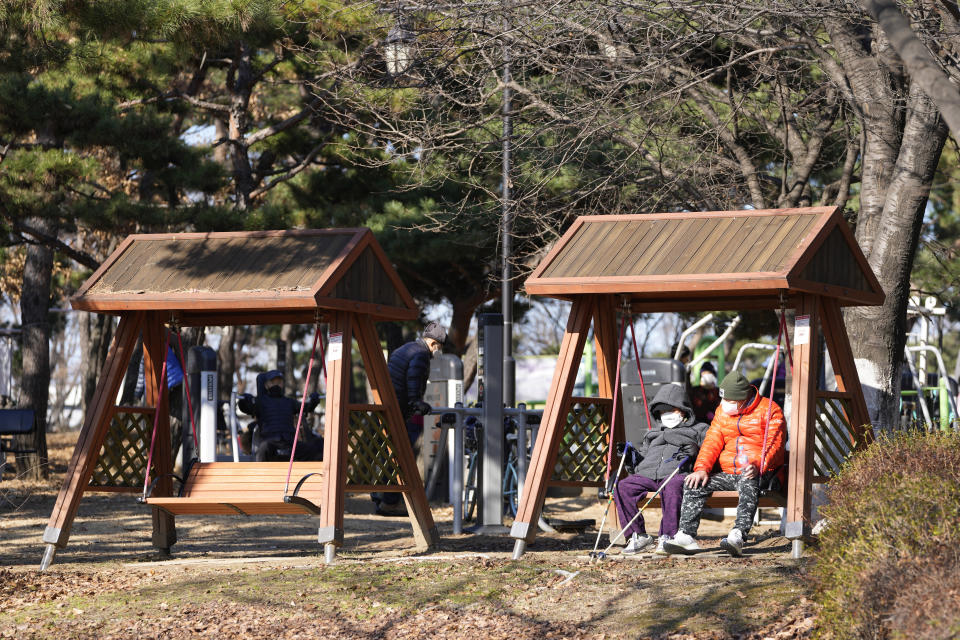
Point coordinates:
[[335, 347], [801, 332]]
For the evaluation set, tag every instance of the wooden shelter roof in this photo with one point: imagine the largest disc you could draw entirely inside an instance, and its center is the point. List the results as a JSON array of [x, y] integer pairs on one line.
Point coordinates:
[[259, 277], [710, 260]]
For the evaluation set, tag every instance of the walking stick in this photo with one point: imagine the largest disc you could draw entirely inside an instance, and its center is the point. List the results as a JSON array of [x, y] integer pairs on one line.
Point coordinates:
[[616, 480], [603, 554]]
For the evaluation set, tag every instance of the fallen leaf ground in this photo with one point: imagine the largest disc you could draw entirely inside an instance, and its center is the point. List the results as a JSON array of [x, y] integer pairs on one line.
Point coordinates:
[[265, 578]]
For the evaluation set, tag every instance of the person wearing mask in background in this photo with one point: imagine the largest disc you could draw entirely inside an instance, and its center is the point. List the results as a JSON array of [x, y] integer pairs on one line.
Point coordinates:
[[746, 435], [276, 416], [708, 376], [674, 435], [409, 368]]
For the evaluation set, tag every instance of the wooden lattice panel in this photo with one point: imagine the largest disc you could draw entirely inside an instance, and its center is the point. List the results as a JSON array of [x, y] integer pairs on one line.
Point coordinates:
[[834, 436], [371, 458], [123, 457], [583, 450]]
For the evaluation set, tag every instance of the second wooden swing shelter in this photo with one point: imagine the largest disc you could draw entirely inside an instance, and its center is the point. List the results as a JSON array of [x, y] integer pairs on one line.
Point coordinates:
[[159, 281], [804, 259]]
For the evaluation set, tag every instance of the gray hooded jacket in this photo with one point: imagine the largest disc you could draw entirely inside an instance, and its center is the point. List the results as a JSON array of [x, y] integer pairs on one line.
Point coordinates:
[[660, 446]]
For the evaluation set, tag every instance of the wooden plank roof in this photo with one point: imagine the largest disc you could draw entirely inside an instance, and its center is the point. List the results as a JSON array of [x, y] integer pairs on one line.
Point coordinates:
[[710, 260], [249, 277]]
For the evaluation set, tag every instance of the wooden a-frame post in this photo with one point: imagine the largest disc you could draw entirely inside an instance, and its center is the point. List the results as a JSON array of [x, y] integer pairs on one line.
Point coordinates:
[[154, 356], [92, 433], [349, 326], [602, 310], [806, 351]]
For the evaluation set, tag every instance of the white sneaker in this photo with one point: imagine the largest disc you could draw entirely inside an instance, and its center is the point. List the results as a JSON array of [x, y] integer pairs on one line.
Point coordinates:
[[637, 544], [733, 543], [660, 551], [681, 543]]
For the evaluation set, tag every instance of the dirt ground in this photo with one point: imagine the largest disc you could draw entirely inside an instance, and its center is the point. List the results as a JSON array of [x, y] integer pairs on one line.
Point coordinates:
[[265, 577]]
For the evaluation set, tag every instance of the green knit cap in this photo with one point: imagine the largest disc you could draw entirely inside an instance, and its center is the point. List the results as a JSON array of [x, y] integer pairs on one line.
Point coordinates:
[[734, 386]]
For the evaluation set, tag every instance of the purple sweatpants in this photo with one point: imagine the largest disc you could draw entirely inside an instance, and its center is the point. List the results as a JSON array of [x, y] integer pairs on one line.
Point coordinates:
[[633, 489]]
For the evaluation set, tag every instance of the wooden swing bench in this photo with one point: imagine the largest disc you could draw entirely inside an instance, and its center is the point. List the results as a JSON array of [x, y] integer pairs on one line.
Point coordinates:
[[726, 499], [246, 488]]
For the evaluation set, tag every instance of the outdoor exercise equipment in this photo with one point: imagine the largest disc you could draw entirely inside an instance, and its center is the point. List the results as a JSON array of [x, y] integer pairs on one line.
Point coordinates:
[[337, 276], [709, 261]]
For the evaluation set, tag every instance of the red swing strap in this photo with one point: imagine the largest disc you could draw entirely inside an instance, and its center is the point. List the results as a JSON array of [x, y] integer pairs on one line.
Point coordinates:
[[303, 401], [643, 388], [781, 334], [156, 414], [186, 388], [616, 394]]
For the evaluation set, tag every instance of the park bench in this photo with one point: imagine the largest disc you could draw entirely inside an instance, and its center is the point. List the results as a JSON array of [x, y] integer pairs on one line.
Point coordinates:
[[246, 488], [14, 422]]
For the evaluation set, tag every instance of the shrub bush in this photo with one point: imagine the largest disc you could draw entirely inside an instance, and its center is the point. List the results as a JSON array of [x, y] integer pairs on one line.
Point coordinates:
[[888, 564]]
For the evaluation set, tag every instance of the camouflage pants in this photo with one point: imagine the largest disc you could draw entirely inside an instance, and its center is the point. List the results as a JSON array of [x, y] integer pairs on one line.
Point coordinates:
[[695, 499]]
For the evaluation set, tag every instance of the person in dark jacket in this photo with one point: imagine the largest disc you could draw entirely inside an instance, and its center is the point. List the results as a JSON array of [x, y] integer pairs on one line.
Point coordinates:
[[674, 435], [409, 368], [276, 416]]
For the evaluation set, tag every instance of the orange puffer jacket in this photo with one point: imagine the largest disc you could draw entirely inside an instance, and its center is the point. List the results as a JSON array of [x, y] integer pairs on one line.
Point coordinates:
[[727, 433]]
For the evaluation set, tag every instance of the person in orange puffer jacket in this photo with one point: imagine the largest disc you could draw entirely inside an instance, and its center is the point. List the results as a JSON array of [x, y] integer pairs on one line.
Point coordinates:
[[736, 441]]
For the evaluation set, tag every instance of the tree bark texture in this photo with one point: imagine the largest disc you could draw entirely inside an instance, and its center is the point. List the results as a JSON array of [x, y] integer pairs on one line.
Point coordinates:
[[227, 357], [289, 379], [34, 386], [904, 136], [923, 67]]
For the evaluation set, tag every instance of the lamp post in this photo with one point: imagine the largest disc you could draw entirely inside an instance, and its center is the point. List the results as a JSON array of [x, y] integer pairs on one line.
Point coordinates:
[[398, 48], [506, 234]]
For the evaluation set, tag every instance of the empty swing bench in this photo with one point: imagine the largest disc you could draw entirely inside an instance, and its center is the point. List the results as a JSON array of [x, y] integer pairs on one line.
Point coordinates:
[[246, 488]]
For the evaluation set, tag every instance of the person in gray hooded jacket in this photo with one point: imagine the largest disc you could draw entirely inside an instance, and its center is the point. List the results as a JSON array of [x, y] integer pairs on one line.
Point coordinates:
[[674, 434]]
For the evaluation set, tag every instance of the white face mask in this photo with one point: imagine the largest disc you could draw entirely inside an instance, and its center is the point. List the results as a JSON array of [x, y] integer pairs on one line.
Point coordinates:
[[730, 407], [671, 420], [707, 379]]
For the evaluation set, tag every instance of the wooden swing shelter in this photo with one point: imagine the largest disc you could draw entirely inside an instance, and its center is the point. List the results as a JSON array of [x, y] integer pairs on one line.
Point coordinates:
[[805, 259], [338, 276]]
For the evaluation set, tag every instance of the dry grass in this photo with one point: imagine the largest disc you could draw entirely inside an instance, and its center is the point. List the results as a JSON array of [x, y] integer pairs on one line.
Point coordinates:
[[264, 577]]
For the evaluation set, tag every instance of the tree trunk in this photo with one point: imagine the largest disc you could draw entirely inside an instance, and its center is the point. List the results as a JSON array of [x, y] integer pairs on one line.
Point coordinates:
[[903, 138], [98, 331], [878, 334], [240, 83], [458, 335], [923, 67], [132, 377], [34, 387], [289, 379], [392, 334], [227, 357]]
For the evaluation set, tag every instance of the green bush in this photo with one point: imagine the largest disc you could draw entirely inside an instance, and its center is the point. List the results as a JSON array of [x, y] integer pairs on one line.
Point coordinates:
[[888, 565]]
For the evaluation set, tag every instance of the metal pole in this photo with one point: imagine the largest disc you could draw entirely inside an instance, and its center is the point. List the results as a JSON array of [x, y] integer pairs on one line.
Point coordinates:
[[490, 502], [521, 449], [458, 473], [506, 233], [234, 441]]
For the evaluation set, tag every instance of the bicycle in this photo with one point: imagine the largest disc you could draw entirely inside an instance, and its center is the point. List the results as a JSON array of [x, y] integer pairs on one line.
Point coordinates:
[[473, 430]]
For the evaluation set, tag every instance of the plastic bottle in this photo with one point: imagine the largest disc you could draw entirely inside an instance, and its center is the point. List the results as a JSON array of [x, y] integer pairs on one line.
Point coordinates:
[[741, 459]]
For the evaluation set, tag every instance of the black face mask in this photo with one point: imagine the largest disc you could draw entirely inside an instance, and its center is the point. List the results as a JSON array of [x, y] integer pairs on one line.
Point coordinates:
[[275, 391]]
